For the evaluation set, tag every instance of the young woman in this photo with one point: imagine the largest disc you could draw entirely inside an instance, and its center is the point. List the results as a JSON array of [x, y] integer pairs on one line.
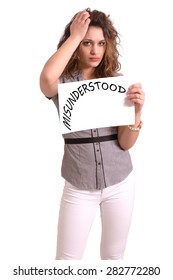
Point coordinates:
[[96, 165]]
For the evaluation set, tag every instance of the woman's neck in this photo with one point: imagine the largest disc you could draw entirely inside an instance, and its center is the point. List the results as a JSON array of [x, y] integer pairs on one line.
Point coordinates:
[[88, 74]]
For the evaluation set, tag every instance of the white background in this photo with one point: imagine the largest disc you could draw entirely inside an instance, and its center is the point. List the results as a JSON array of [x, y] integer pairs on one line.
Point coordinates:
[[31, 146]]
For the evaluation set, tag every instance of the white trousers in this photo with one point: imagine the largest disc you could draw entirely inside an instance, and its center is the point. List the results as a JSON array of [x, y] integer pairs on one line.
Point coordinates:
[[77, 211]]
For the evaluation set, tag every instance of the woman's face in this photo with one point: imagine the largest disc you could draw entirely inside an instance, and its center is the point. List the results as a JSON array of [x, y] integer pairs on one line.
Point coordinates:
[[92, 48]]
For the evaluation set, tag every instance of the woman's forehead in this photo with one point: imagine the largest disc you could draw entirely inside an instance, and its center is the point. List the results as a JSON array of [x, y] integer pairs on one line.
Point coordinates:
[[94, 33]]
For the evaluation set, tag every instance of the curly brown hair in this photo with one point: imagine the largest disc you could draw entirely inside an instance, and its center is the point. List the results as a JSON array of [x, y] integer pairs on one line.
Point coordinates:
[[110, 64]]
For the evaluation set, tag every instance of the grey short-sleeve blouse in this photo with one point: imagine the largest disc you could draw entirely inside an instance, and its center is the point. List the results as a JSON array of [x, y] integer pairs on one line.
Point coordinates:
[[94, 166]]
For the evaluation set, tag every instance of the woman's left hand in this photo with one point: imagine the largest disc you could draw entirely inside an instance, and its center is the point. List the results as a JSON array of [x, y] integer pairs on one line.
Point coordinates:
[[136, 94]]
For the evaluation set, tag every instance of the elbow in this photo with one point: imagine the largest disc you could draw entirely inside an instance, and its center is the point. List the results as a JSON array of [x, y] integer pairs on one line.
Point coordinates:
[[47, 85], [45, 79], [126, 140], [125, 145]]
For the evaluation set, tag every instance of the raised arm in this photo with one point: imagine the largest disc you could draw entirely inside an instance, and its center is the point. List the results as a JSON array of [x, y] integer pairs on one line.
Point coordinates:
[[56, 64]]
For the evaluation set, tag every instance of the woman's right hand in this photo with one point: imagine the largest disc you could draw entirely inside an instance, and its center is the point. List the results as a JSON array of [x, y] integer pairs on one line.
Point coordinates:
[[56, 64], [80, 25]]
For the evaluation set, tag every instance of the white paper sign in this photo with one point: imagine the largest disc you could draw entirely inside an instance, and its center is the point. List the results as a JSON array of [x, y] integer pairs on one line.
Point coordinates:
[[94, 103]]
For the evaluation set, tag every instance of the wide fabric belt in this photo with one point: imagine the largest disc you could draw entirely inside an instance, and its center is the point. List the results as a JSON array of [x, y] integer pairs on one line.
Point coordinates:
[[90, 139]]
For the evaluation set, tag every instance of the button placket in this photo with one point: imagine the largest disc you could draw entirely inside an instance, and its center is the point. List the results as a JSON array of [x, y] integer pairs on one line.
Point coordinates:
[[97, 149], [94, 132], [98, 159], [98, 155]]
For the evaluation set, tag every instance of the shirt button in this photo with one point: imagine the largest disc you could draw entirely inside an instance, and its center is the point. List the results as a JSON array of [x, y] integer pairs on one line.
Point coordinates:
[[99, 163], [98, 150]]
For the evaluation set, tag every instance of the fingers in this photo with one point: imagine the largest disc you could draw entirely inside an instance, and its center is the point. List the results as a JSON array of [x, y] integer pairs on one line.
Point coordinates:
[[79, 25], [135, 93], [82, 16]]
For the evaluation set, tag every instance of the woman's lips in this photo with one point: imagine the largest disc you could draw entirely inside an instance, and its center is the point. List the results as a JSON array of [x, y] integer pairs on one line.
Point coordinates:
[[94, 58]]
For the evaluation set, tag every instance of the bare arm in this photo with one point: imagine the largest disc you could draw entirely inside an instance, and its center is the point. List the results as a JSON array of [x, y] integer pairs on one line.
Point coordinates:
[[126, 136], [56, 64]]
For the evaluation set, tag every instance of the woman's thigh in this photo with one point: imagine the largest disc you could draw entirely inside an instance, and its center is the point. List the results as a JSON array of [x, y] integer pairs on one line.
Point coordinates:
[[116, 212], [77, 211]]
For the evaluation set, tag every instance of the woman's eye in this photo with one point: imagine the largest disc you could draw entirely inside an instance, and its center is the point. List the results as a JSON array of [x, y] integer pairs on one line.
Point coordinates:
[[86, 43], [89, 43], [102, 43]]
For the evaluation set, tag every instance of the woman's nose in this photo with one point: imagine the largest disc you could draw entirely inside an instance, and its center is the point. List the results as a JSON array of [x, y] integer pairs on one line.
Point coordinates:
[[94, 49]]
